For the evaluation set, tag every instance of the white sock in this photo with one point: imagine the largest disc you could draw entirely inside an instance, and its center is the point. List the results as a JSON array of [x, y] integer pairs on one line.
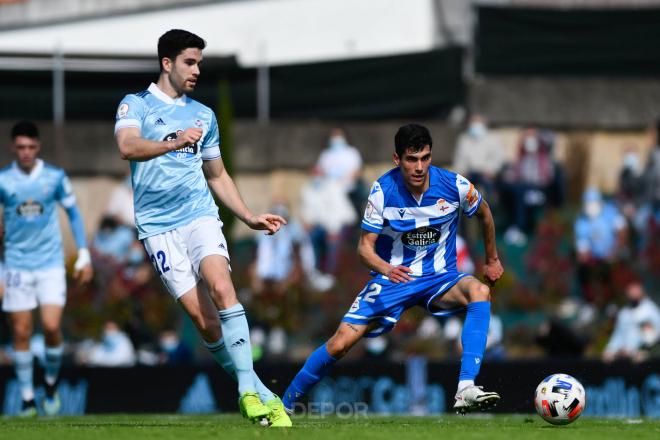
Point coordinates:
[[462, 384]]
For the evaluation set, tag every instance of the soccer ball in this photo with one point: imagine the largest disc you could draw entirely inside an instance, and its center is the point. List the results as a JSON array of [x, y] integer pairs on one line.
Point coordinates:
[[559, 399]]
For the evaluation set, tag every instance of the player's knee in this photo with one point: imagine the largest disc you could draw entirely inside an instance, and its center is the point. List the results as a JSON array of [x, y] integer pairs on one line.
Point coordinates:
[[480, 292], [223, 293], [22, 332], [337, 347]]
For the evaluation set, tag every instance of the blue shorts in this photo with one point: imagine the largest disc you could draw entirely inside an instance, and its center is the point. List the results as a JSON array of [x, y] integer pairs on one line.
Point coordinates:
[[384, 301]]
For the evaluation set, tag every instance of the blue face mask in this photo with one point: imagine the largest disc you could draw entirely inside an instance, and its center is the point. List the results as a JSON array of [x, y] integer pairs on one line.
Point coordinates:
[[477, 130], [135, 256], [337, 142]]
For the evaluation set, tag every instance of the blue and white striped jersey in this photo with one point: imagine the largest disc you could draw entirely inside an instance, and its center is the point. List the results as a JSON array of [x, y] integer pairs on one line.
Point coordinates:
[[169, 190], [32, 230], [419, 234]]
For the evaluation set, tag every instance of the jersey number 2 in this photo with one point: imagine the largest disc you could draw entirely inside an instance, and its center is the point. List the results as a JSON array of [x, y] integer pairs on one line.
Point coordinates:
[[160, 255]]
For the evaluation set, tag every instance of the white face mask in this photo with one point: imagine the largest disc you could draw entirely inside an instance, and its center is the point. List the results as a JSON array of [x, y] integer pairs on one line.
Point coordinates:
[[531, 145], [631, 161], [592, 209], [649, 337], [477, 130], [336, 142]]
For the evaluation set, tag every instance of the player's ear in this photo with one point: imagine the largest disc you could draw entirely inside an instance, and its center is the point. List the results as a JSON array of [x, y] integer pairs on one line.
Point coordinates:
[[396, 159], [166, 63]]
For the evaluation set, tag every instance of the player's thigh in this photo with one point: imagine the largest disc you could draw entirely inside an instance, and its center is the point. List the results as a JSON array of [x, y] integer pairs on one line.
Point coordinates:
[[465, 291], [203, 313], [214, 270]]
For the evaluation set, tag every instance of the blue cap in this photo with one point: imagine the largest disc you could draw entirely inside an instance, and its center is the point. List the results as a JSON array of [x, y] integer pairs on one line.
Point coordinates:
[[591, 195]]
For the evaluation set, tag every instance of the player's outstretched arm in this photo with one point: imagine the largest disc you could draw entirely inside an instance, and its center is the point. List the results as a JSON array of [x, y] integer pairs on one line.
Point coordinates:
[[224, 188], [132, 146], [369, 257], [493, 269]]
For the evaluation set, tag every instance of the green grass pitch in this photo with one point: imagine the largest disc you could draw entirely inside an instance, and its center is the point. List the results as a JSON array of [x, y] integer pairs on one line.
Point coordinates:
[[227, 426]]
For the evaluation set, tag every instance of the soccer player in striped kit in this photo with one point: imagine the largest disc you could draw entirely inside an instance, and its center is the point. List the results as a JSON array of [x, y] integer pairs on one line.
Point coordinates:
[[408, 242]]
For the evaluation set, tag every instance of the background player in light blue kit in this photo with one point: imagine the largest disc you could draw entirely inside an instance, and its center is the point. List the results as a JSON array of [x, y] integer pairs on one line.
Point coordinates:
[[34, 259], [409, 242], [172, 143]]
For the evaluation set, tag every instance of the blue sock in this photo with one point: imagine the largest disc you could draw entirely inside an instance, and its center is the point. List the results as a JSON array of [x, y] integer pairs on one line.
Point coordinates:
[[53, 363], [23, 368], [473, 338], [221, 355], [318, 365], [237, 341]]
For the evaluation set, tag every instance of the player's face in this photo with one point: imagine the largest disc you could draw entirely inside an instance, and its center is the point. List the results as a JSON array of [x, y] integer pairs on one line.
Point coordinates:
[[26, 150], [184, 70], [414, 167]]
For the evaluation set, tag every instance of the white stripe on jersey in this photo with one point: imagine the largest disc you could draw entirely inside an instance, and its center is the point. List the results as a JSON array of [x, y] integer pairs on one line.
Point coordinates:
[[439, 262]]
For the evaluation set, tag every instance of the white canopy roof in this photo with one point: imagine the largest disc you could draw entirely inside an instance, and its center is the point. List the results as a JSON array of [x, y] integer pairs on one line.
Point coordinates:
[[275, 31]]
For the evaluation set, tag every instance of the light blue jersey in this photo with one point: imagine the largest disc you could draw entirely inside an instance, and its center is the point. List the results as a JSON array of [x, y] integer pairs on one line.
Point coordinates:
[[170, 190], [32, 230], [419, 234]]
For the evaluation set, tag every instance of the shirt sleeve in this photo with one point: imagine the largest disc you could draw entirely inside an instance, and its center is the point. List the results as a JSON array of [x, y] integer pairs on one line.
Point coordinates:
[[131, 113], [468, 196], [211, 142], [64, 192], [373, 213]]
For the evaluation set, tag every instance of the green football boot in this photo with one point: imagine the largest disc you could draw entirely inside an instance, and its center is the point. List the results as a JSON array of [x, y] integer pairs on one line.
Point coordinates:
[[278, 417], [251, 407]]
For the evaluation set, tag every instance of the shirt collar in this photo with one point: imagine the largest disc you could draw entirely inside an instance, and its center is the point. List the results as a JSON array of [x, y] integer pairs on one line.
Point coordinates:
[[158, 93], [36, 170]]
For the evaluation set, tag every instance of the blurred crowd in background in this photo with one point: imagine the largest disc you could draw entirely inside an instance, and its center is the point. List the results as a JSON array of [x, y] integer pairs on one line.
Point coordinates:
[[581, 279]]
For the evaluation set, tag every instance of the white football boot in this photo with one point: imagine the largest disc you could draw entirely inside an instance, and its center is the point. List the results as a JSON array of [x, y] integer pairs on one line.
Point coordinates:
[[473, 397]]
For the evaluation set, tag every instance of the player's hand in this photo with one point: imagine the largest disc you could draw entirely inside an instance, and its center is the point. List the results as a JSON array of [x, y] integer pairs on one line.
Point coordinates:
[[399, 274], [190, 136], [84, 275], [266, 222], [82, 269], [493, 270]]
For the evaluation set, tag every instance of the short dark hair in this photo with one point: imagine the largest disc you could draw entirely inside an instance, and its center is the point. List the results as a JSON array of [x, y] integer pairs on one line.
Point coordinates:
[[175, 41], [25, 128], [412, 136]]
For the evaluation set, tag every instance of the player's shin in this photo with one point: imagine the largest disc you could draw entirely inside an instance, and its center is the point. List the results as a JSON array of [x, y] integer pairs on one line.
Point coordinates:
[[317, 366], [53, 363], [221, 355], [473, 338], [23, 366], [237, 342]]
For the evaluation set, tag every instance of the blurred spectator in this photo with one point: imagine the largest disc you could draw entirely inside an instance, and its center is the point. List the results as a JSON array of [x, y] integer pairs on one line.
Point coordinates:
[[286, 258], [113, 241], [631, 192], [342, 163], [173, 351], [325, 211], [637, 327], [463, 261], [600, 236], [479, 156], [533, 181], [120, 205], [114, 350], [648, 216]]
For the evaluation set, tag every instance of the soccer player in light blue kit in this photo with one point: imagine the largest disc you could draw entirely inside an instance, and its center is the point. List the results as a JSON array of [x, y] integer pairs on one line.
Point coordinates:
[[30, 190], [409, 242], [173, 146]]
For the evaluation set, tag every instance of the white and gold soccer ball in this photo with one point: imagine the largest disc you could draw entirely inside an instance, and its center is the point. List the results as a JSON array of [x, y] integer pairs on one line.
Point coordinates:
[[560, 399]]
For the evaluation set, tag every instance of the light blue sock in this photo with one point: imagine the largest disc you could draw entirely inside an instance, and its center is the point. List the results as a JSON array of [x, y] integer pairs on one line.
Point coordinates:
[[23, 368], [318, 365], [237, 342], [53, 363], [220, 354], [473, 338]]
